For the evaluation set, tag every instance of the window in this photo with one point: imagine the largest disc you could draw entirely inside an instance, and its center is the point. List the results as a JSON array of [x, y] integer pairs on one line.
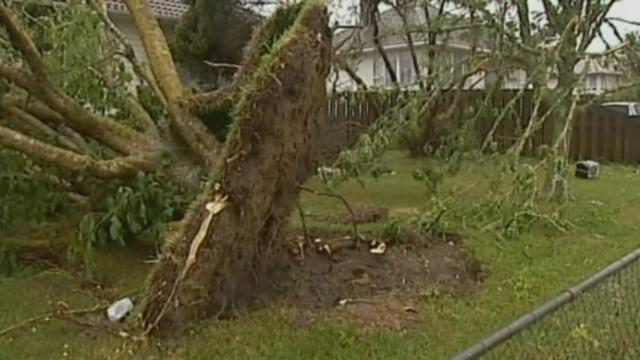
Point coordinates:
[[592, 82], [407, 74], [460, 66], [380, 73]]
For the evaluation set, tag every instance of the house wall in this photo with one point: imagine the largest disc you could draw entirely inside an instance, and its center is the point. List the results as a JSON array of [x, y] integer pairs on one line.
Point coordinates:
[[597, 83], [611, 81], [362, 66], [125, 24], [514, 80], [370, 68]]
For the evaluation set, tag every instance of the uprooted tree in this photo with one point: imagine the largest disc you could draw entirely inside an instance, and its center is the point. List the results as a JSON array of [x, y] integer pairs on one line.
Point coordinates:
[[275, 105], [276, 102]]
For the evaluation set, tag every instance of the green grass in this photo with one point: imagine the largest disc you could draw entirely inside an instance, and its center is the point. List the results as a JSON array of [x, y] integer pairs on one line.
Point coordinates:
[[523, 273]]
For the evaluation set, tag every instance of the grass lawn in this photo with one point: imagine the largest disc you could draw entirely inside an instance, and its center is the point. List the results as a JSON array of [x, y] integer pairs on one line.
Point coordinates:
[[523, 273]]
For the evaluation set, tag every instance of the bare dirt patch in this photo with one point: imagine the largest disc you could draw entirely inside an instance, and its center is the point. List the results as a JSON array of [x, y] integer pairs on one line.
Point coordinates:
[[380, 291]]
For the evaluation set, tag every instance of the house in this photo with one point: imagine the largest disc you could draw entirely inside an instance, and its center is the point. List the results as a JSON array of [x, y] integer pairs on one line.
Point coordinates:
[[600, 75], [452, 52], [168, 12]]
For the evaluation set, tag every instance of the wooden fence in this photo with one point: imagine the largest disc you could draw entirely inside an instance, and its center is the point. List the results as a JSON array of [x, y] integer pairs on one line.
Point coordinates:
[[598, 133]]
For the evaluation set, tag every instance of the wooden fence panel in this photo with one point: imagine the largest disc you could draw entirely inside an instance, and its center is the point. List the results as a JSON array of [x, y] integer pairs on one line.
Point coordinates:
[[632, 140], [597, 133]]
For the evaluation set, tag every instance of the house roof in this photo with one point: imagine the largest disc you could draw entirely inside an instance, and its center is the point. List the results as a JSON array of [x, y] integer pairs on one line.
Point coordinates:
[[170, 9], [392, 31]]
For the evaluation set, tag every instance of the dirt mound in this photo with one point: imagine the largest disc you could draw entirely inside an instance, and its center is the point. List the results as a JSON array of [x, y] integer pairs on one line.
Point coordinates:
[[376, 290]]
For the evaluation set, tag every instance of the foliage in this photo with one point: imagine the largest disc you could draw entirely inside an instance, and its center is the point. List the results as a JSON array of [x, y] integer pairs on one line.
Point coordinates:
[[213, 30], [514, 202], [150, 102], [124, 211], [76, 56], [27, 192]]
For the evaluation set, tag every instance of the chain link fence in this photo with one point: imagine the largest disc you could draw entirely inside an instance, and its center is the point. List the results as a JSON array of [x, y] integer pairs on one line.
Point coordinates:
[[597, 319]]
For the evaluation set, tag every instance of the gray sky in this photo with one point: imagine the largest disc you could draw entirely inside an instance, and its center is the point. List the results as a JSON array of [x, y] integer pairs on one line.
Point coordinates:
[[626, 9]]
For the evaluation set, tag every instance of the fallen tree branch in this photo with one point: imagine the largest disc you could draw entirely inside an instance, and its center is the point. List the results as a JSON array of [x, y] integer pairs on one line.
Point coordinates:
[[106, 130], [53, 314], [17, 76], [41, 128], [104, 169], [40, 86], [155, 45], [128, 53], [198, 137], [22, 41], [222, 65]]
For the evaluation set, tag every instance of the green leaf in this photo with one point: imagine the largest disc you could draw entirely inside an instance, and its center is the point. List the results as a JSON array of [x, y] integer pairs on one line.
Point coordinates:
[[134, 224], [102, 236], [115, 230]]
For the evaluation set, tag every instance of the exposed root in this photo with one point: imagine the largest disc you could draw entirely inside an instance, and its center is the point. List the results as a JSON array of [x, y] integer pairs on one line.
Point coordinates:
[[356, 233], [215, 207], [304, 222]]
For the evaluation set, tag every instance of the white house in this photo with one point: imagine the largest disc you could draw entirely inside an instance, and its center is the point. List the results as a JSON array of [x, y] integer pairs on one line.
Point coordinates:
[[600, 75], [452, 51]]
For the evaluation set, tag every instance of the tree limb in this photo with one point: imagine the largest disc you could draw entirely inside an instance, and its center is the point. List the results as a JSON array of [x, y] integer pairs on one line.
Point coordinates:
[[17, 76], [598, 18], [376, 40], [65, 159], [199, 139], [108, 131], [21, 41], [111, 133], [50, 118], [410, 42], [129, 53], [41, 128], [342, 65], [157, 49]]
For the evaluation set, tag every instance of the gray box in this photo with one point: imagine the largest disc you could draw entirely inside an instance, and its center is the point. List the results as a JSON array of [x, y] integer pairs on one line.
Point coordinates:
[[587, 169]]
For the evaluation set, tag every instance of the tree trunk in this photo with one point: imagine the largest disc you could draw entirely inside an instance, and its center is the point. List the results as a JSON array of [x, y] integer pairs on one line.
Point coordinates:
[[236, 224]]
